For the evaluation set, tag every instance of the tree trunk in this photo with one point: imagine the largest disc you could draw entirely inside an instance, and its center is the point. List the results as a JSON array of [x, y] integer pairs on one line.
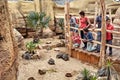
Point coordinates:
[[8, 55], [103, 31]]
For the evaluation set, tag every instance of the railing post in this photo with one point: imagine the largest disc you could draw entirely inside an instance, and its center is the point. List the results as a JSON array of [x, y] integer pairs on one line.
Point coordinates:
[[67, 28], [103, 32]]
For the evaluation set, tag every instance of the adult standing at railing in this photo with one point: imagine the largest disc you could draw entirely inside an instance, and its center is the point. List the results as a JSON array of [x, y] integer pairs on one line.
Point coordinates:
[[73, 22], [99, 23], [84, 22]]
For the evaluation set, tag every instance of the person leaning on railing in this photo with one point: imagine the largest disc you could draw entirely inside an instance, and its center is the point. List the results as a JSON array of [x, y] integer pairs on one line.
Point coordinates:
[[73, 23], [88, 38], [98, 22], [84, 22], [109, 36]]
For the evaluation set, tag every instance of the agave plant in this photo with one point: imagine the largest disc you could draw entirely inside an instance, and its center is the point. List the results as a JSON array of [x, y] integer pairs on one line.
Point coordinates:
[[30, 46], [93, 78], [109, 71], [108, 64], [86, 74]]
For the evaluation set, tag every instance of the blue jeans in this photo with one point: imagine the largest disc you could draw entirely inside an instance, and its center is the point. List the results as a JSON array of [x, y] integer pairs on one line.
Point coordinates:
[[110, 48], [98, 39], [82, 36]]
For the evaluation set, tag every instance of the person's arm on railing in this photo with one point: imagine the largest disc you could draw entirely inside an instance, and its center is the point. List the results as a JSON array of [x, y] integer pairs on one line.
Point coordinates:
[[90, 37], [89, 23]]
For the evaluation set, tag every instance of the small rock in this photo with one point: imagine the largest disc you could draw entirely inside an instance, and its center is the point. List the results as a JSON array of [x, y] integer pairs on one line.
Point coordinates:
[[51, 61], [79, 77], [61, 37], [47, 33], [68, 75], [36, 56], [59, 55], [59, 30], [42, 72], [35, 40], [33, 52], [48, 42], [26, 56], [31, 78], [102, 72], [56, 49], [65, 57], [63, 43], [58, 45], [48, 48], [40, 47]]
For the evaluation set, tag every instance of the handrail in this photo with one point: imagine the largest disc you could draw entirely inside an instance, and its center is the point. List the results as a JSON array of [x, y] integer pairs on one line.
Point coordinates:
[[94, 41], [95, 30], [118, 47]]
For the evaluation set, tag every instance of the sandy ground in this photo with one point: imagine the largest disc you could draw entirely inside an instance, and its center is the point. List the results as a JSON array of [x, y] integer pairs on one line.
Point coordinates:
[[29, 68]]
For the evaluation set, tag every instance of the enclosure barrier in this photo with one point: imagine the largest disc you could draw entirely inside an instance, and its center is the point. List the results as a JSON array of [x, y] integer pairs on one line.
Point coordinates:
[[91, 57], [94, 41]]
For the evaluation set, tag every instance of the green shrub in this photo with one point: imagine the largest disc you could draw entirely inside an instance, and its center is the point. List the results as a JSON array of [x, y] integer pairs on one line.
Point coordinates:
[[30, 46]]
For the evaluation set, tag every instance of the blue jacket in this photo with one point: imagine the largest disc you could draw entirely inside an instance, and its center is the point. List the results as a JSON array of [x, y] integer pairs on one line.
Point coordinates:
[[99, 20], [88, 36]]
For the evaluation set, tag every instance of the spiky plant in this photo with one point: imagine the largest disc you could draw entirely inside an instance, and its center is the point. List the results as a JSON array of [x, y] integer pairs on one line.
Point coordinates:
[[93, 78], [111, 72], [86, 74], [108, 64]]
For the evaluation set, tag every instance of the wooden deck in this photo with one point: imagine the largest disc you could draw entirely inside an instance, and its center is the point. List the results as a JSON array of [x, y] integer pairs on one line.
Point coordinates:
[[93, 58]]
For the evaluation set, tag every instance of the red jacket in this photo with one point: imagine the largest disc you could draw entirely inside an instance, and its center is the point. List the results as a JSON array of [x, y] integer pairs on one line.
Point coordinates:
[[76, 39], [108, 34]]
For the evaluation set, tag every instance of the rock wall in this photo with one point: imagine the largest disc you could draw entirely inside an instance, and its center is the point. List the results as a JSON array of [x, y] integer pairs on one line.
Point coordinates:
[[47, 7], [117, 17], [8, 55], [27, 6]]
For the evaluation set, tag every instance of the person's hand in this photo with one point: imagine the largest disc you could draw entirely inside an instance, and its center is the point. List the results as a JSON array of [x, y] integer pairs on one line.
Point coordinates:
[[93, 29], [84, 40]]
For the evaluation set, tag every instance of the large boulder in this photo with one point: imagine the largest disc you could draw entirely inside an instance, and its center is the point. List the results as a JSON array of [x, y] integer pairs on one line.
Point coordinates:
[[19, 39], [117, 17], [47, 33], [58, 30]]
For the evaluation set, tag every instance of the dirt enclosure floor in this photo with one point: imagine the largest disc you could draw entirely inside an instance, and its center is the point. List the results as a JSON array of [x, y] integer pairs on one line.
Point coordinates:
[[29, 68]]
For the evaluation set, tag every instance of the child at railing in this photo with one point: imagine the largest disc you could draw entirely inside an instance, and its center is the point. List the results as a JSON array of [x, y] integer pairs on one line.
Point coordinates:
[[88, 37], [109, 36], [76, 40], [84, 22]]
